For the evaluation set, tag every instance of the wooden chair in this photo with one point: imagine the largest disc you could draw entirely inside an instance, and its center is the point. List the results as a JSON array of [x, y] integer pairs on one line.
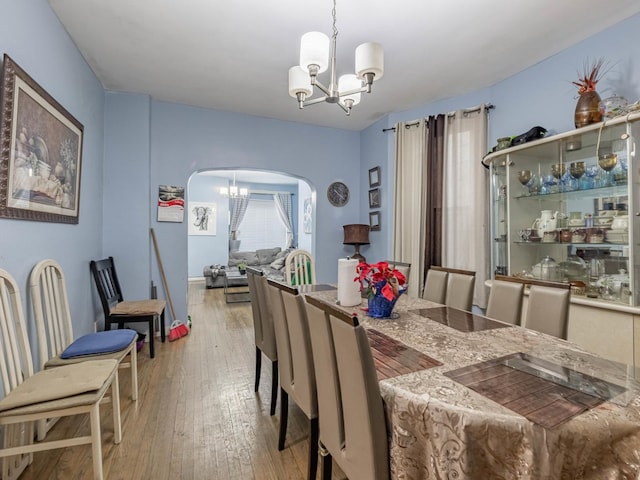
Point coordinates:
[[75, 389], [300, 268], [547, 305], [295, 364], [350, 409], [505, 300], [117, 310], [56, 345], [264, 332], [435, 287]]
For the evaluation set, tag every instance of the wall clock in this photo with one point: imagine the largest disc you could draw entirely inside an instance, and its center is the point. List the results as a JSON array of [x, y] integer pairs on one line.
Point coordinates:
[[338, 194]]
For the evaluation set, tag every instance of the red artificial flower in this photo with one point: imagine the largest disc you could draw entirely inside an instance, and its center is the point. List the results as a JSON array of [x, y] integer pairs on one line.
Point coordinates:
[[370, 275]]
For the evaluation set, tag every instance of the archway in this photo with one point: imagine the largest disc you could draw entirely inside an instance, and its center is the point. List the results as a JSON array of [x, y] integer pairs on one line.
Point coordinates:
[[204, 186]]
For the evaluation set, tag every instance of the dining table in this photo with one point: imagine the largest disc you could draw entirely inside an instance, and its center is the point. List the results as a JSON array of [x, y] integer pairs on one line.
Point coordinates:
[[469, 397]]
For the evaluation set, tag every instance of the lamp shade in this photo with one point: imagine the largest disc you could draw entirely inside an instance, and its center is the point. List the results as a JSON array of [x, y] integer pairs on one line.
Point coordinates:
[[314, 50], [370, 59], [299, 82], [356, 234], [347, 83]]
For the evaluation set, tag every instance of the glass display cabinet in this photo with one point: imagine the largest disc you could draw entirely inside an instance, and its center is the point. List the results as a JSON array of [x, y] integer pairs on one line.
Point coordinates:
[[563, 208]]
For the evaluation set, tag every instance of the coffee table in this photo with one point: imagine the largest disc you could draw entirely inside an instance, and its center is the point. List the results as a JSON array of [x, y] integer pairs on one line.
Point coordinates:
[[233, 282]]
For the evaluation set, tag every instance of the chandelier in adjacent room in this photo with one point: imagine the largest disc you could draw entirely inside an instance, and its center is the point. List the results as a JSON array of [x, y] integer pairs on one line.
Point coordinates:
[[233, 191], [317, 53]]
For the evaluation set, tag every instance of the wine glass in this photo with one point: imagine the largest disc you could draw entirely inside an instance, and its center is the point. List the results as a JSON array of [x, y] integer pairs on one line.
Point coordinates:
[[577, 169], [558, 170], [607, 162]]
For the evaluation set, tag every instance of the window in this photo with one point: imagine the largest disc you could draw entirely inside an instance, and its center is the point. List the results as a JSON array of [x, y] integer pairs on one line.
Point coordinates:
[[261, 226]]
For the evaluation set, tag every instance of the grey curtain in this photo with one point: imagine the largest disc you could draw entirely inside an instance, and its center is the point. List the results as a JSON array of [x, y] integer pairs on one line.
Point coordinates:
[[237, 208], [285, 210]]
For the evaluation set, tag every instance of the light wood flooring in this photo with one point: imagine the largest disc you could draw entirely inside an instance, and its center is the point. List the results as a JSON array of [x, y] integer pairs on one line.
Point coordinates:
[[197, 416]]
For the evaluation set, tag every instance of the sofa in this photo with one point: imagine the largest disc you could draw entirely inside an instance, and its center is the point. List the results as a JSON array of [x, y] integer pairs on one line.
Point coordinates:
[[269, 260]]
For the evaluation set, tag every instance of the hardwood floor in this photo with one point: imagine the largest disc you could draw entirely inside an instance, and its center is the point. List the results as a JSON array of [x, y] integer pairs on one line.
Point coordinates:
[[197, 416]]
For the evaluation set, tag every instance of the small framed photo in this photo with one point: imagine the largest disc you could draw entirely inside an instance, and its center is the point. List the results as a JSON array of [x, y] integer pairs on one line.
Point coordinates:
[[374, 177], [374, 221], [374, 198]]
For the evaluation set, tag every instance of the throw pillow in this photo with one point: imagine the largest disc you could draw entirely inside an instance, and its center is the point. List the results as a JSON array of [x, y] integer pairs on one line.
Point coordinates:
[[267, 255], [278, 263]]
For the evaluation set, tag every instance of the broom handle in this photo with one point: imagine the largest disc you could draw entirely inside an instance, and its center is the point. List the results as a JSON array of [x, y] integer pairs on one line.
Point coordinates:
[[164, 279]]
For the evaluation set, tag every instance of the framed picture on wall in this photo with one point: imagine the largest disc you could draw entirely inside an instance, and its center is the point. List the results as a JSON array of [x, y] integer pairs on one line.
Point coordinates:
[[307, 218], [374, 177], [374, 221], [41, 155], [202, 218], [374, 198]]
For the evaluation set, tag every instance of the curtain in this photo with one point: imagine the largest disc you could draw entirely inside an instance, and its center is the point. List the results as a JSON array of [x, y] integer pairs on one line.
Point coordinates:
[[433, 180], [238, 207], [410, 200], [465, 213], [285, 211]]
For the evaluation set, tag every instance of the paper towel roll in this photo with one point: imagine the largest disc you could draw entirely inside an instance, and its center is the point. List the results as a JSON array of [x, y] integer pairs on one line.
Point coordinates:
[[348, 289]]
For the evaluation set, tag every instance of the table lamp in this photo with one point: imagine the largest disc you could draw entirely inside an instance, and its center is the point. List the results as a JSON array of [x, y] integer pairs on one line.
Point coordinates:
[[356, 234]]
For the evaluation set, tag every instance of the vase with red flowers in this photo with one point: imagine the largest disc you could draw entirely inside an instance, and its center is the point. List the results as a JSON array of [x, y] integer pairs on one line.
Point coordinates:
[[382, 285], [588, 109]]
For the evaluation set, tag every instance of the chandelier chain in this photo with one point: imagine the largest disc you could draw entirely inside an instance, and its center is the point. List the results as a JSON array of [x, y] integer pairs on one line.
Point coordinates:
[[333, 14]]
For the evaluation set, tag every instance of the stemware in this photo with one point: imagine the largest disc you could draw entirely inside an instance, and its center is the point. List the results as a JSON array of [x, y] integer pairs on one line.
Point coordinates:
[[577, 169], [558, 170]]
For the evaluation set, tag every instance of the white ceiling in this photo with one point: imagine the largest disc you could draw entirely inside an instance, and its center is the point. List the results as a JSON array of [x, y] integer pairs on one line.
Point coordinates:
[[235, 55]]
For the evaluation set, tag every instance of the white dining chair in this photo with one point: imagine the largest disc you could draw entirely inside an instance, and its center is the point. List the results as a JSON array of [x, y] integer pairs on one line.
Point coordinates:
[[300, 268]]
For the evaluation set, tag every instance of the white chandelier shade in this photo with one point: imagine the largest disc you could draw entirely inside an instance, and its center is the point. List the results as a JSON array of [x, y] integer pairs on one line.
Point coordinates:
[[314, 50], [317, 54]]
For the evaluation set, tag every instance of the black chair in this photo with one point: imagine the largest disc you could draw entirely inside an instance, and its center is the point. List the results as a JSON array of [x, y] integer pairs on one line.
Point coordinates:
[[117, 310]]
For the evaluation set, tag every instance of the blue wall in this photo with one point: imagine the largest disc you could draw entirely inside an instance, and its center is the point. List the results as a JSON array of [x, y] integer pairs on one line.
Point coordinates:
[[33, 37], [132, 144]]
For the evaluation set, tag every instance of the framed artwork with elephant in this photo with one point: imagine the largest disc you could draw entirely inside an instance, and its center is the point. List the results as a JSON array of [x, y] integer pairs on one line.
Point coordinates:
[[202, 218]]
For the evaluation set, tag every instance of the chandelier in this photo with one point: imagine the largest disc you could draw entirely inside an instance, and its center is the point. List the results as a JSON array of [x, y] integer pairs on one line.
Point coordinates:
[[233, 191], [317, 53]]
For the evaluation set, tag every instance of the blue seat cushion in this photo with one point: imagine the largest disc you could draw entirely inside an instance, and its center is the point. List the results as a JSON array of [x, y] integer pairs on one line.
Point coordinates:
[[100, 342]]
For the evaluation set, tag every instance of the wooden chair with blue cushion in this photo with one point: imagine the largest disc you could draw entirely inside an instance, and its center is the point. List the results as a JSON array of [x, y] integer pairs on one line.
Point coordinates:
[[69, 390], [56, 345], [117, 310]]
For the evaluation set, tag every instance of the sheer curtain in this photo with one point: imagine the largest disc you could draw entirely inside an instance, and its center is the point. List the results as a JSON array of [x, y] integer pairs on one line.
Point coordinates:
[[238, 207], [410, 200], [285, 211], [465, 216]]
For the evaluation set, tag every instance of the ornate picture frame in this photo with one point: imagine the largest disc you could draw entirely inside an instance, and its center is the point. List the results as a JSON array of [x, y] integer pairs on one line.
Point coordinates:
[[41, 160]]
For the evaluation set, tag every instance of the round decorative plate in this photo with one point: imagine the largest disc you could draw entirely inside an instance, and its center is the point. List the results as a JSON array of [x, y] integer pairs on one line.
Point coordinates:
[[338, 194]]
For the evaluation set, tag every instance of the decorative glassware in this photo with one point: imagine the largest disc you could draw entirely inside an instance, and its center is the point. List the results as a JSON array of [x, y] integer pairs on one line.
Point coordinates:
[[524, 177], [577, 169], [607, 162], [591, 173]]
